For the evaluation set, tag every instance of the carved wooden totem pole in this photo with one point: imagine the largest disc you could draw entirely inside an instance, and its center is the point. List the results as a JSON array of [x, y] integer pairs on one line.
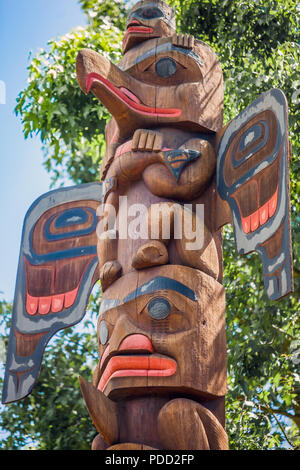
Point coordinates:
[[161, 378]]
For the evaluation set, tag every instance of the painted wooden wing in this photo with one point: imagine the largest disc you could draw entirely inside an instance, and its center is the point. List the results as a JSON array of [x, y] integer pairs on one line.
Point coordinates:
[[57, 270], [253, 177]]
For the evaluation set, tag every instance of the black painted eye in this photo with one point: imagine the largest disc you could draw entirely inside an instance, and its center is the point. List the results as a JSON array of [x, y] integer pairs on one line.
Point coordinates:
[[165, 67], [151, 13], [103, 333], [159, 308]]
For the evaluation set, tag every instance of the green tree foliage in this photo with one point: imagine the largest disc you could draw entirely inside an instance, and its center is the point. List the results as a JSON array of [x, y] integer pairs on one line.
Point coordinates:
[[258, 45], [70, 124]]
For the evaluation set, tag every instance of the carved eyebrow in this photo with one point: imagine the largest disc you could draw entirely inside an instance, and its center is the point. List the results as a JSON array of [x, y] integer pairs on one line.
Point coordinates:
[[161, 283], [166, 47], [157, 283]]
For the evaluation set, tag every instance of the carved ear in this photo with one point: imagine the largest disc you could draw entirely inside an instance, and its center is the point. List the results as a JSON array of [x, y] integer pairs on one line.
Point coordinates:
[[57, 270], [253, 177]]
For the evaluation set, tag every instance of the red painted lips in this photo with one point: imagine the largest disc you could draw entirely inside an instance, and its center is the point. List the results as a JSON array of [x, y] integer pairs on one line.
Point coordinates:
[[136, 365]]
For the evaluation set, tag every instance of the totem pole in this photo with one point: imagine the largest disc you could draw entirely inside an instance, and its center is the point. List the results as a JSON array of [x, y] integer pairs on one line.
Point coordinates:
[[161, 378]]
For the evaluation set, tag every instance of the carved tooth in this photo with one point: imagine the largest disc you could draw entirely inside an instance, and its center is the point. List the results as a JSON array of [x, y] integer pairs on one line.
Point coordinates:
[[44, 305], [273, 204], [246, 222], [263, 214], [70, 297], [31, 304], [57, 303], [254, 221]]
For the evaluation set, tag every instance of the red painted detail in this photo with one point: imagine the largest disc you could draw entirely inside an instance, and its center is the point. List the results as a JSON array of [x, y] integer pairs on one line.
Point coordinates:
[[136, 30], [254, 219], [136, 106], [246, 224], [57, 304], [44, 305], [31, 304], [104, 356], [134, 366], [129, 94], [131, 342], [50, 304], [139, 29], [124, 148], [70, 297], [261, 215], [273, 204], [134, 21], [136, 342]]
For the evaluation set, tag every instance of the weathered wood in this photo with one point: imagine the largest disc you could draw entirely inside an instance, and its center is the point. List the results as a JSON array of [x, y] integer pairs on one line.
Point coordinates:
[[147, 21], [165, 153], [172, 176], [195, 322], [185, 424], [102, 411]]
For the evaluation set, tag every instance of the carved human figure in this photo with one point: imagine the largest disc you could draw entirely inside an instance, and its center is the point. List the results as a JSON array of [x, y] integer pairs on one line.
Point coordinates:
[[158, 335]]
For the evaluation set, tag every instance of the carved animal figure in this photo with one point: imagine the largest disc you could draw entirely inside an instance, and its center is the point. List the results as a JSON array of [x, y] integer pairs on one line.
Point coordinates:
[[161, 378]]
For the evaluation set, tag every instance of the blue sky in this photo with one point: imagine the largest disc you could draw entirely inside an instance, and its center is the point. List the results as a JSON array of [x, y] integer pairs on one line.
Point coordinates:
[[25, 26]]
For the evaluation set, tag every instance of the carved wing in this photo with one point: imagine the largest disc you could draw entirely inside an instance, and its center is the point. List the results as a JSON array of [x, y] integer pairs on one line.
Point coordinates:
[[57, 270], [253, 177]]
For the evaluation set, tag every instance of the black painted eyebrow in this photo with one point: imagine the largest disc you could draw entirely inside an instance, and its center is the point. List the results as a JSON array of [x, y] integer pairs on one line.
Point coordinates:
[[159, 283]]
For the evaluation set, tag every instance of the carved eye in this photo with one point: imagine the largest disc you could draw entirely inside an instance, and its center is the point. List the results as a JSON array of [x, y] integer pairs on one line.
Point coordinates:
[[103, 333], [159, 308], [165, 67], [151, 13]]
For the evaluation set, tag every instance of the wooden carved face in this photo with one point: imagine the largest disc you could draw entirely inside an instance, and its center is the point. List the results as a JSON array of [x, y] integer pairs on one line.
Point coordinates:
[[153, 85], [148, 20], [157, 332]]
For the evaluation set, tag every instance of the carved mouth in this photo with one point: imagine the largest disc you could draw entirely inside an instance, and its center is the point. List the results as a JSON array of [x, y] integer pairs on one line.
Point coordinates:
[[127, 97], [50, 304], [129, 361], [136, 27], [261, 215]]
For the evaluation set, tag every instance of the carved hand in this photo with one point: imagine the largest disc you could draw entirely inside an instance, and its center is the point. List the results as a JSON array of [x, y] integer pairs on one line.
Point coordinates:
[[183, 40], [147, 141]]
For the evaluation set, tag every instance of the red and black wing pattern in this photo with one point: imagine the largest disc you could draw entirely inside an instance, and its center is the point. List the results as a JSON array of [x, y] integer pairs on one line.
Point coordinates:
[[253, 177], [57, 270]]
